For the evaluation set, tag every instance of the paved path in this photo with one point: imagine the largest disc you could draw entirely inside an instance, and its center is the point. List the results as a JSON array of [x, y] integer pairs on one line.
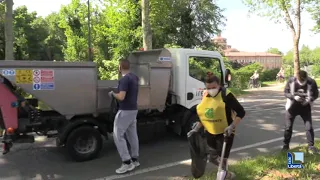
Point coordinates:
[[260, 132]]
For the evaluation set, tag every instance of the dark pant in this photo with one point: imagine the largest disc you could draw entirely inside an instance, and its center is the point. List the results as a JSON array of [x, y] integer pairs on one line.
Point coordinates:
[[215, 142], [305, 113], [254, 82]]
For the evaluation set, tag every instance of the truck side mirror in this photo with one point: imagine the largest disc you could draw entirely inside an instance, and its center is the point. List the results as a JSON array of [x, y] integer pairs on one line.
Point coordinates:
[[228, 76]]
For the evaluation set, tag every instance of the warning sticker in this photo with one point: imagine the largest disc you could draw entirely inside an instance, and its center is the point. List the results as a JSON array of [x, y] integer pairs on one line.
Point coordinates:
[[43, 79], [24, 76]]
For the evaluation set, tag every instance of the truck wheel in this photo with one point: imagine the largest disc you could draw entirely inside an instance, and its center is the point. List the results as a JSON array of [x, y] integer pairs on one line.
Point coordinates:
[[84, 143]]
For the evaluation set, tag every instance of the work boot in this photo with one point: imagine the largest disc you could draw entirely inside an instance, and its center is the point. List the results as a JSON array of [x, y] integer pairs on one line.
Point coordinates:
[[313, 150], [230, 175], [285, 148]]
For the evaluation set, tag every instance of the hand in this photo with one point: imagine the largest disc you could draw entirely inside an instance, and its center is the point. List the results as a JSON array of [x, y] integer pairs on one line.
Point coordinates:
[[195, 128], [111, 94], [306, 102], [205, 93], [298, 98], [189, 134], [229, 130]]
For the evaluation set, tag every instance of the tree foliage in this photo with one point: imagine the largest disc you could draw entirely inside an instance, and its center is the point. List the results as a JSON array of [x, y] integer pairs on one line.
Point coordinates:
[[274, 51], [116, 30], [288, 11]]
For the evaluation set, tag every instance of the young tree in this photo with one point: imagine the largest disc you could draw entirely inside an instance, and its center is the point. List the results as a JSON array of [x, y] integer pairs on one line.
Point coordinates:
[[287, 10], [146, 26]]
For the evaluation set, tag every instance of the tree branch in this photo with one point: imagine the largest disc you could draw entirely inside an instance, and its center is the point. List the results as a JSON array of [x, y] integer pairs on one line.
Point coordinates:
[[287, 17]]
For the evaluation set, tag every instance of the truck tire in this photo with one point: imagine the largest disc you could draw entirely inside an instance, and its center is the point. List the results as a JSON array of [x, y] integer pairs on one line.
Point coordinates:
[[84, 143]]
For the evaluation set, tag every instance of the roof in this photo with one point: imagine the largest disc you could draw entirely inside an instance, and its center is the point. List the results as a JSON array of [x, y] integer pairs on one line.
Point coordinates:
[[251, 54]]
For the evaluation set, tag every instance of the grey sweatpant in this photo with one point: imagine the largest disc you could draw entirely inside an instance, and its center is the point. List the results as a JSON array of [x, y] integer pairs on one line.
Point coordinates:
[[125, 124]]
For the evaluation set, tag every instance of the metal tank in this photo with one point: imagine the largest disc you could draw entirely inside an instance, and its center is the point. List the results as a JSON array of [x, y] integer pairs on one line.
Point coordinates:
[[72, 88], [67, 87]]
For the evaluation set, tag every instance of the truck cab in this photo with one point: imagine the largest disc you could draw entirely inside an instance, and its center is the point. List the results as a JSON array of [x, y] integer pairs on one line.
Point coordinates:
[[189, 67]]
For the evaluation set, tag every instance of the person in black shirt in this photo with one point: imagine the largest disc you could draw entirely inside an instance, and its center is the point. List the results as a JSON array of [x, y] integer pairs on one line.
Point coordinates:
[[301, 92], [125, 123]]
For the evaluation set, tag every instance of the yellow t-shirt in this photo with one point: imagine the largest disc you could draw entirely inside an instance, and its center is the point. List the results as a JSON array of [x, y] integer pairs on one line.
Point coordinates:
[[212, 114]]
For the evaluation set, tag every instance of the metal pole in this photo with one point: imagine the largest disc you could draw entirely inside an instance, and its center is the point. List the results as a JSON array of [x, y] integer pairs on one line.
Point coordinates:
[[9, 31], [89, 34]]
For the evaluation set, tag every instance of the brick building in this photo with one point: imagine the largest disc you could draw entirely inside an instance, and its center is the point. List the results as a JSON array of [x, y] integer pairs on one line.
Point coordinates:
[[268, 60]]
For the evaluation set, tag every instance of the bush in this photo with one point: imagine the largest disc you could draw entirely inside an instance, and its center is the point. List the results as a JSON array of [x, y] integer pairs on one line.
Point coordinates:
[[288, 71], [269, 74], [241, 76], [316, 70]]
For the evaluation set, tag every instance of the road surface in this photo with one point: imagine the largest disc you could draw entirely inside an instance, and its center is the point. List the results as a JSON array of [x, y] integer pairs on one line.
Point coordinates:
[[168, 158]]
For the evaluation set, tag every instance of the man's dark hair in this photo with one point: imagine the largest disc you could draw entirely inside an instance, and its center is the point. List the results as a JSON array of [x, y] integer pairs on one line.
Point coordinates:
[[210, 78], [125, 64], [302, 75]]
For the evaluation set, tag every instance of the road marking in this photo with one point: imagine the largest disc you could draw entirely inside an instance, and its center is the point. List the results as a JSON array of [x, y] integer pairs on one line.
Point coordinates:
[[155, 168]]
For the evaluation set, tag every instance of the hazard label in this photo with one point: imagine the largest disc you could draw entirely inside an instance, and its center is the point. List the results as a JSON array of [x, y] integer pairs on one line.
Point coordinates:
[[23, 76], [43, 79]]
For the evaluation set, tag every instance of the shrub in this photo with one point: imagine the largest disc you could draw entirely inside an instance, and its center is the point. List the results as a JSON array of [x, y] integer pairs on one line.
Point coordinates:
[[316, 70], [241, 76], [269, 74]]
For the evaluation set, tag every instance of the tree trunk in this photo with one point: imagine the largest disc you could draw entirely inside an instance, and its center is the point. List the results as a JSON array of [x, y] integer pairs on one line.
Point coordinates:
[[9, 30], [296, 58], [296, 38], [146, 27]]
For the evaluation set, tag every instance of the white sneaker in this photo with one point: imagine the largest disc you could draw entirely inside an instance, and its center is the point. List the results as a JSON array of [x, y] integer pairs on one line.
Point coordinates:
[[136, 163], [125, 168]]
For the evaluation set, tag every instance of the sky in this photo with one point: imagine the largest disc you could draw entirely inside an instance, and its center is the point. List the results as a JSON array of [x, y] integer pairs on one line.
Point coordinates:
[[242, 32]]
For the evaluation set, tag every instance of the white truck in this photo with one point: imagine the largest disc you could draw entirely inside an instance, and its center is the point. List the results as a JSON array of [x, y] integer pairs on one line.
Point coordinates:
[[80, 110]]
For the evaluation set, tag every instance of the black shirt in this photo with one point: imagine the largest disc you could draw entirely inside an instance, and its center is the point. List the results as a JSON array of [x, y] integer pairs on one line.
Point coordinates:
[[130, 84]]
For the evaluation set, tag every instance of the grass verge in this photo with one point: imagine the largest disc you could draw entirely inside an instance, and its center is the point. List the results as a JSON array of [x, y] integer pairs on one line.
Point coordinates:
[[318, 82], [238, 92], [274, 166], [268, 83]]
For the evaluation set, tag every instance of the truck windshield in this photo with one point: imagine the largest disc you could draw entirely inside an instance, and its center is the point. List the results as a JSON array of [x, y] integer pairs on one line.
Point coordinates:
[[199, 66]]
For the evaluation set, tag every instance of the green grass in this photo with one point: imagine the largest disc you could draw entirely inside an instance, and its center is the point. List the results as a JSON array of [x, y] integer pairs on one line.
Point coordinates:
[[238, 92], [318, 81], [268, 83], [274, 166]]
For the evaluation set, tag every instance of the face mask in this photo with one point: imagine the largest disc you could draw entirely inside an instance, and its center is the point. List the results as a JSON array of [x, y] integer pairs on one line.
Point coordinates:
[[213, 92], [302, 83]]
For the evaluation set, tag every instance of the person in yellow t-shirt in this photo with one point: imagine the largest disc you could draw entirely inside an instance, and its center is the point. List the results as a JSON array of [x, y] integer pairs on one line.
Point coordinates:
[[216, 116]]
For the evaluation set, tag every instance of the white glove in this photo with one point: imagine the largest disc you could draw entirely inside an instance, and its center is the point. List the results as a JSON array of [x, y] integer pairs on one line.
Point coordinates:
[[306, 102], [229, 130], [298, 98], [195, 128], [111, 94]]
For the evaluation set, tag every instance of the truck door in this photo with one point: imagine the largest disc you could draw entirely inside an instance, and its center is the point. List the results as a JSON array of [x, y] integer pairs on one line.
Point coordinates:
[[198, 66]]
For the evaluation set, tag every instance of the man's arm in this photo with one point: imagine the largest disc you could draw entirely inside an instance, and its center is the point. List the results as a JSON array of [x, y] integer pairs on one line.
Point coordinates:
[[234, 104], [123, 88], [314, 90], [287, 90]]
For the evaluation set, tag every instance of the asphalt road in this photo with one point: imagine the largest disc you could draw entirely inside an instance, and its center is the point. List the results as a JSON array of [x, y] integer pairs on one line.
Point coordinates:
[[260, 132]]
